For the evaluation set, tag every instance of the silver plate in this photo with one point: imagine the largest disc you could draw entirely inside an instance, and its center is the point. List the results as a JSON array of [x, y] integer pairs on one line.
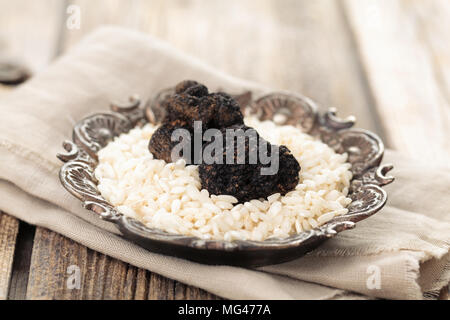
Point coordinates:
[[365, 150]]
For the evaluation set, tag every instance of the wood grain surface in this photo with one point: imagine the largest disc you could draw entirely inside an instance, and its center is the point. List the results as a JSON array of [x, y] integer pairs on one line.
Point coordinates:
[[101, 277], [303, 46], [385, 61], [9, 228], [30, 30], [405, 69]]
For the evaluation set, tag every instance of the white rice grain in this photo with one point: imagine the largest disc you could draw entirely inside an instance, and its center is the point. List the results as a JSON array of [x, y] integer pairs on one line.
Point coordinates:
[[169, 196]]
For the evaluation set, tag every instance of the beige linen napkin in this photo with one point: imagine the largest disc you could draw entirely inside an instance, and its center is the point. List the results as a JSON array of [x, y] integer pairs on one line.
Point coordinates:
[[402, 252]]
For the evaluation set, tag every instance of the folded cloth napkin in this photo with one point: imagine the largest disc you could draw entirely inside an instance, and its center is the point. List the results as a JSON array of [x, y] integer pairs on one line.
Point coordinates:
[[402, 252]]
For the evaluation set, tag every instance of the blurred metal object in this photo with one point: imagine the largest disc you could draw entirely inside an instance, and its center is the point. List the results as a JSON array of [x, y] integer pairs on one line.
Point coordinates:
[[13, 72]]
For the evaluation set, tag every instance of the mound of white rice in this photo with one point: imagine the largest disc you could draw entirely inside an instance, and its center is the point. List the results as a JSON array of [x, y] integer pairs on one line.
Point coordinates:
[[168, 195]]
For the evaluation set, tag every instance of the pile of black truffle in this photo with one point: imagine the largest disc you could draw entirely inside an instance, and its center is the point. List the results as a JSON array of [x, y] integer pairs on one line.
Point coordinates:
[[192, 102]]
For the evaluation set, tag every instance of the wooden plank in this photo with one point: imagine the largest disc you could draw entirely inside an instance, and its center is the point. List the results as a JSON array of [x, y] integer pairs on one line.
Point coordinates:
[[101, 277], [406, 59], [9, 228], [21, 263], [434, 34], [406, 55], [29, 34], [29, 30], [296, 45]]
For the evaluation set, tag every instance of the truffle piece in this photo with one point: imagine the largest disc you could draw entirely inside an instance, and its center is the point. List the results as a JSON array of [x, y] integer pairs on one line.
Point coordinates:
[[288, 174], [187, 108], [226, 110], [192, 102], [246, 181], [216, 110], [191, 88], [198, 90], [161, 143], [186, 84], [246, 177]]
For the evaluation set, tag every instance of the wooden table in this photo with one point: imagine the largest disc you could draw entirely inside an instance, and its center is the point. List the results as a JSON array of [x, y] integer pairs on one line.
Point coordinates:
[[385, 61]]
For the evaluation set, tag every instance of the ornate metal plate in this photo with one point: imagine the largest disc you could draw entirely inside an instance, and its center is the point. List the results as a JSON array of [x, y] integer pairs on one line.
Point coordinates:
[[365, 151]]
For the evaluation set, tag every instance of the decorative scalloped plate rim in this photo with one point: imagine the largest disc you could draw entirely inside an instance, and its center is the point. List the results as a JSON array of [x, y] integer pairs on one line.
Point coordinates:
[[365, 151]]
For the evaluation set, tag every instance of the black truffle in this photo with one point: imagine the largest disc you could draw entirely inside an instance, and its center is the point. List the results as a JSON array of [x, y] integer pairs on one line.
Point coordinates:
[[187, 108], [161, 143], [240, 177], [192, 102], [246, 181], [226, 110], [197, 90]]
